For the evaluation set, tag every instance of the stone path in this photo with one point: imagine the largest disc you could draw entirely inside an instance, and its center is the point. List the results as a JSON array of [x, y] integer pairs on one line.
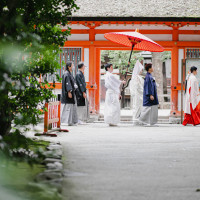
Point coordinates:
[[131, 163]]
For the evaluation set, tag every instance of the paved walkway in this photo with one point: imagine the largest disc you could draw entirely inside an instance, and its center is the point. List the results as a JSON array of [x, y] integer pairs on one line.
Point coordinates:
[[131, 163], [129, 112]]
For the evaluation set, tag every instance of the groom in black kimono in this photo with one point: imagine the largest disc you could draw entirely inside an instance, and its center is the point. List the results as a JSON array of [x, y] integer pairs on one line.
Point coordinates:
[[149, 114], [81, 94]]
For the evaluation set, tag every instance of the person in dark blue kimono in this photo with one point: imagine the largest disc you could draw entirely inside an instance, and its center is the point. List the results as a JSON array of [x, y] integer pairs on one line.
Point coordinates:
[[68, 98], [81, 95], [149, 114]]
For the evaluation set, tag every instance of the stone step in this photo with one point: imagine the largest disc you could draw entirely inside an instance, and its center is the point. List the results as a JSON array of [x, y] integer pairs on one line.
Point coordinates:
[[131, 122], [129, 118], [160, 121]]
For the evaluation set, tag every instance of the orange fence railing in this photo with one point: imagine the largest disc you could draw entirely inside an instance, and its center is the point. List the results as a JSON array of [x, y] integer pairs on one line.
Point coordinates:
[[52, 118]]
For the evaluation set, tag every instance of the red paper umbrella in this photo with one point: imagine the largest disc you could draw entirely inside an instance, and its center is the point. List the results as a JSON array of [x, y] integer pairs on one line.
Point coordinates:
[[134, 40]]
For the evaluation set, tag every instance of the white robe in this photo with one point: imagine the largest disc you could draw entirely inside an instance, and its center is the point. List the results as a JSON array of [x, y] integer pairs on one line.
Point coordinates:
[[136, 89], [112, 104], [192, 96]]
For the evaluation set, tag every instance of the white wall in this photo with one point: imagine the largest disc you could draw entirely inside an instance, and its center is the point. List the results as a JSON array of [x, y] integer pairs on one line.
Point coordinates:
[[156, 37], [75, 26], [130, 26], [78, 37], [190, 27], [100, 37], [159, 37], [188, 37], [86, 62], [180, 57], [168, 68], [179, 100]]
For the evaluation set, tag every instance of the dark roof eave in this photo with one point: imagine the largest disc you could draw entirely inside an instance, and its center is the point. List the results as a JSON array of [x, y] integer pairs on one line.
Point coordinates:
[[164, 19]]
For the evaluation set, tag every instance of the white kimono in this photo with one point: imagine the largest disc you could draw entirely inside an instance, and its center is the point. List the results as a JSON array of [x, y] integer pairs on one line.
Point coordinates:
[[192, 93], [112, 104], [136, 90]]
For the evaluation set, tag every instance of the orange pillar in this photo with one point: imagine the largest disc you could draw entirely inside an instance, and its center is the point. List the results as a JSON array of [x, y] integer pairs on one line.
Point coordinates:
[[92, 80], [92, 71], [91, 34], [174, 74], [97, 92]]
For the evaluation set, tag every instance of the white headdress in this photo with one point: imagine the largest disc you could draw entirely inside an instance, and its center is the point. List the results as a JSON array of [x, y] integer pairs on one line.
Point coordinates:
[[137, 69]]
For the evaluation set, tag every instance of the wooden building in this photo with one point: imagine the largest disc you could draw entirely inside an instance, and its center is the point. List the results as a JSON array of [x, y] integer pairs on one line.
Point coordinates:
[[173, 24]]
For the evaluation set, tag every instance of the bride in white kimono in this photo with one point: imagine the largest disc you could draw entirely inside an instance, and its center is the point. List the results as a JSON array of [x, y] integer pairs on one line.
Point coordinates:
[[136, 90], [112, 103]]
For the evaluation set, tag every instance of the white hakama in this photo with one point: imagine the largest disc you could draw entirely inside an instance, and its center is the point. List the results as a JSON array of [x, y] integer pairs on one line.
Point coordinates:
[[112, 108], [149, 115], [69, 114], [83, 112], [112, 103]]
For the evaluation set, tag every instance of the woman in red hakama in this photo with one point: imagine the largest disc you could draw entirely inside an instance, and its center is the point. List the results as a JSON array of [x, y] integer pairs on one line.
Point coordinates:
[[192, 104]]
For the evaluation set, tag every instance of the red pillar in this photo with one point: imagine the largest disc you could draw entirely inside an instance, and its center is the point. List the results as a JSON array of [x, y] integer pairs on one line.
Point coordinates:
[[92, 71], [174, 74], [98, 75]]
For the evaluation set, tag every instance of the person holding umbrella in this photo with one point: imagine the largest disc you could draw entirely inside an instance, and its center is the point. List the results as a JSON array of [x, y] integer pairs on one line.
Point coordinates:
[[135, 41], [112, 104], [149, 114]]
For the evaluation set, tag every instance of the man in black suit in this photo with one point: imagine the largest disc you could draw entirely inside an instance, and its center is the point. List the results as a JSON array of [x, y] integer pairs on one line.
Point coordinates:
[[68, 98], [81, 94]]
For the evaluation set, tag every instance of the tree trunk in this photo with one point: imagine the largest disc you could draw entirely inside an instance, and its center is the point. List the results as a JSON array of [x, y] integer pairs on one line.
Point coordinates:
[[5, 115], [158, 74]]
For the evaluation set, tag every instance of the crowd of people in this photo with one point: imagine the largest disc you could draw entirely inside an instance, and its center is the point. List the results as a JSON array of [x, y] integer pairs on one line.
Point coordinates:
[[143, 90], [145, 99]]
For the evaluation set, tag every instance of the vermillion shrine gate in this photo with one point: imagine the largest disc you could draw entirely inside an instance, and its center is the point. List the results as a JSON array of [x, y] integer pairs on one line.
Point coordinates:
[[180, 35]]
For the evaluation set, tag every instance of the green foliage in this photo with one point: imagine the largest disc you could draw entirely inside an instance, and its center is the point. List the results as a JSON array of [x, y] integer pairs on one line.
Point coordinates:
[[17, 176], [120, 59], [30, 36], [165, 55], [17, 147]]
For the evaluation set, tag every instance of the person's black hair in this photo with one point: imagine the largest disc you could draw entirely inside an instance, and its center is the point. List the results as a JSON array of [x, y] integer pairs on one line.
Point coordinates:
[[68, 64], [108, 65], [148, 66], [193, 68], [80, 65]]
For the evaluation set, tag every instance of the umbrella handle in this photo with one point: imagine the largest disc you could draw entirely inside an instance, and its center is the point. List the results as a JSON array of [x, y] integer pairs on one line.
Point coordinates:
[[123, 86], [131, 54], [128, 65]]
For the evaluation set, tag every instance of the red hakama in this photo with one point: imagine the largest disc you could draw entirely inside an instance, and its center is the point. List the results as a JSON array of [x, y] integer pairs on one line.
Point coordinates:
[[194, 117]]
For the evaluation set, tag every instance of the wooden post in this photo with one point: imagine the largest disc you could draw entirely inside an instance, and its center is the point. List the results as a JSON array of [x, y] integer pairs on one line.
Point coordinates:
[[182, 84], [59, 107], [46, 119]]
